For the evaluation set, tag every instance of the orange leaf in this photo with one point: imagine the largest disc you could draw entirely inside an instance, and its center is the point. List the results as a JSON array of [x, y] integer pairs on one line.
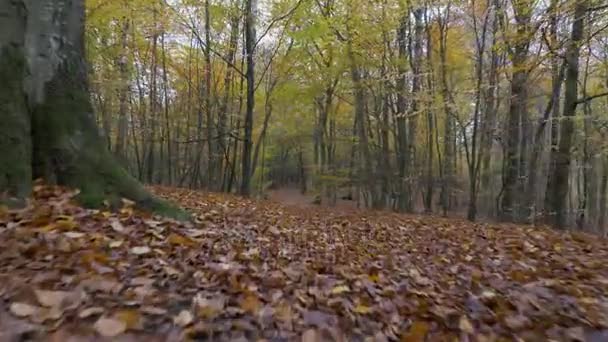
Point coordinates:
[[251, 304], [417, 333]]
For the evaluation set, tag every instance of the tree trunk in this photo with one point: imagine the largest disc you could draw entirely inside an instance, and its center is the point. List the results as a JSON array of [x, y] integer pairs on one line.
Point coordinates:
[[248, 142], [67, 148], [561, 174], [517, 109], [402, 134], [123, 96]]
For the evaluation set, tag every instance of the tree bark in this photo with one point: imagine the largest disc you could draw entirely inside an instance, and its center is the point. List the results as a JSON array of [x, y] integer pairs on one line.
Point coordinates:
[[517, 110], [248, 141], [42, 44], [561, 174], [123, 95]]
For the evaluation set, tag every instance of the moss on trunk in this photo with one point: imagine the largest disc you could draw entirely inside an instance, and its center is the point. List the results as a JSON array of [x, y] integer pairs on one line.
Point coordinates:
[[15, 142], [47, 125], [68, 149]]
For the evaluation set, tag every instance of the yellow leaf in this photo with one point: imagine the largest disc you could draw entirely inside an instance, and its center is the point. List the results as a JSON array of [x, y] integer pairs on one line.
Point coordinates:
[[176, 239], [362, 309], [66, 223], [131, 318], [340, 289]]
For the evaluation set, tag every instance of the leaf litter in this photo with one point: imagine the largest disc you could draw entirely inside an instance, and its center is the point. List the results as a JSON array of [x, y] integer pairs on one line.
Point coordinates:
[[256, 270]]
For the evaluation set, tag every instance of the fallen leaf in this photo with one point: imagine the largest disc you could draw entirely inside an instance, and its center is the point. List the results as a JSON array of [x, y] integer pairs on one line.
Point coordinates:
[[179, 240], [465, 325], [57, 299], [23, 309], [362, 309], [117, 226], [116, 244], [208, 308], [340, 289], [184, 318], [417, 332], [152, 310], [251, 304], [92, 311], [109, 327], [140, 250], [310, 335], [131, 318], [74, 235]]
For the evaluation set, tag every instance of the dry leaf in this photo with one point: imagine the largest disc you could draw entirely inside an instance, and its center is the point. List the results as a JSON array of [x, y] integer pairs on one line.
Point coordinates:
[[362, 309], [140, 250], [184, 318], [208, 308], [92, 311], [23, 309], [131, 318], [465, 325], [251, 304], [57, 299], [117, 226], [311, 335], [116, 244], [340, 289], [74, 235], [417, 332], [110, 327], [179, 240], [152, 310]]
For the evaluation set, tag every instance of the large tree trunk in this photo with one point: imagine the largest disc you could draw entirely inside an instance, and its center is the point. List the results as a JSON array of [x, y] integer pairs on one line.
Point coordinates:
[[54, 136], [561, 174]]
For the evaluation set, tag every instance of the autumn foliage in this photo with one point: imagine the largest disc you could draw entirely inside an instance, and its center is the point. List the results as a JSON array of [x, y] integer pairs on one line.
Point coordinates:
[[247, 270]]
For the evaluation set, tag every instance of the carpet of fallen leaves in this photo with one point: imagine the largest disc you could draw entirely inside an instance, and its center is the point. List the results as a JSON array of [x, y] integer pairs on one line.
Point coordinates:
[[259, 271]]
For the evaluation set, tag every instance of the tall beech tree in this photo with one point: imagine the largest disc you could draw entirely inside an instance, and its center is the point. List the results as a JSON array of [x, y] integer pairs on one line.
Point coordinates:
[[48, 126]]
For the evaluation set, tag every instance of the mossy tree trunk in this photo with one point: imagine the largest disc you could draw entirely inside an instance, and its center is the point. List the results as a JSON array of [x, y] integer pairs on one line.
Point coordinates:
[[47, 126]]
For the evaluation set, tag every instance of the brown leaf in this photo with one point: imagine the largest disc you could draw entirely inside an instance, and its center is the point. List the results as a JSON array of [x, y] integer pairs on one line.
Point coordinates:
[[251, 304], [417, 332], [208, 308], [311, 335], [179, 240], [131, 318]]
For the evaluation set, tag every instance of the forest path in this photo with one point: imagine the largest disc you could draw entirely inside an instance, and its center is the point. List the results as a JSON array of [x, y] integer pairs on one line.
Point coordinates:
[[249, 270], [292, 196]]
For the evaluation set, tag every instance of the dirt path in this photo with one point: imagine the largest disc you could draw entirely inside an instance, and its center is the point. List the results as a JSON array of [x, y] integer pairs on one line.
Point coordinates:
[[293, 197]]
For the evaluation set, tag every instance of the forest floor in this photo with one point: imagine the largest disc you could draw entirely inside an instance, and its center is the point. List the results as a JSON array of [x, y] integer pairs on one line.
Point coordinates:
[[262, 271]]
